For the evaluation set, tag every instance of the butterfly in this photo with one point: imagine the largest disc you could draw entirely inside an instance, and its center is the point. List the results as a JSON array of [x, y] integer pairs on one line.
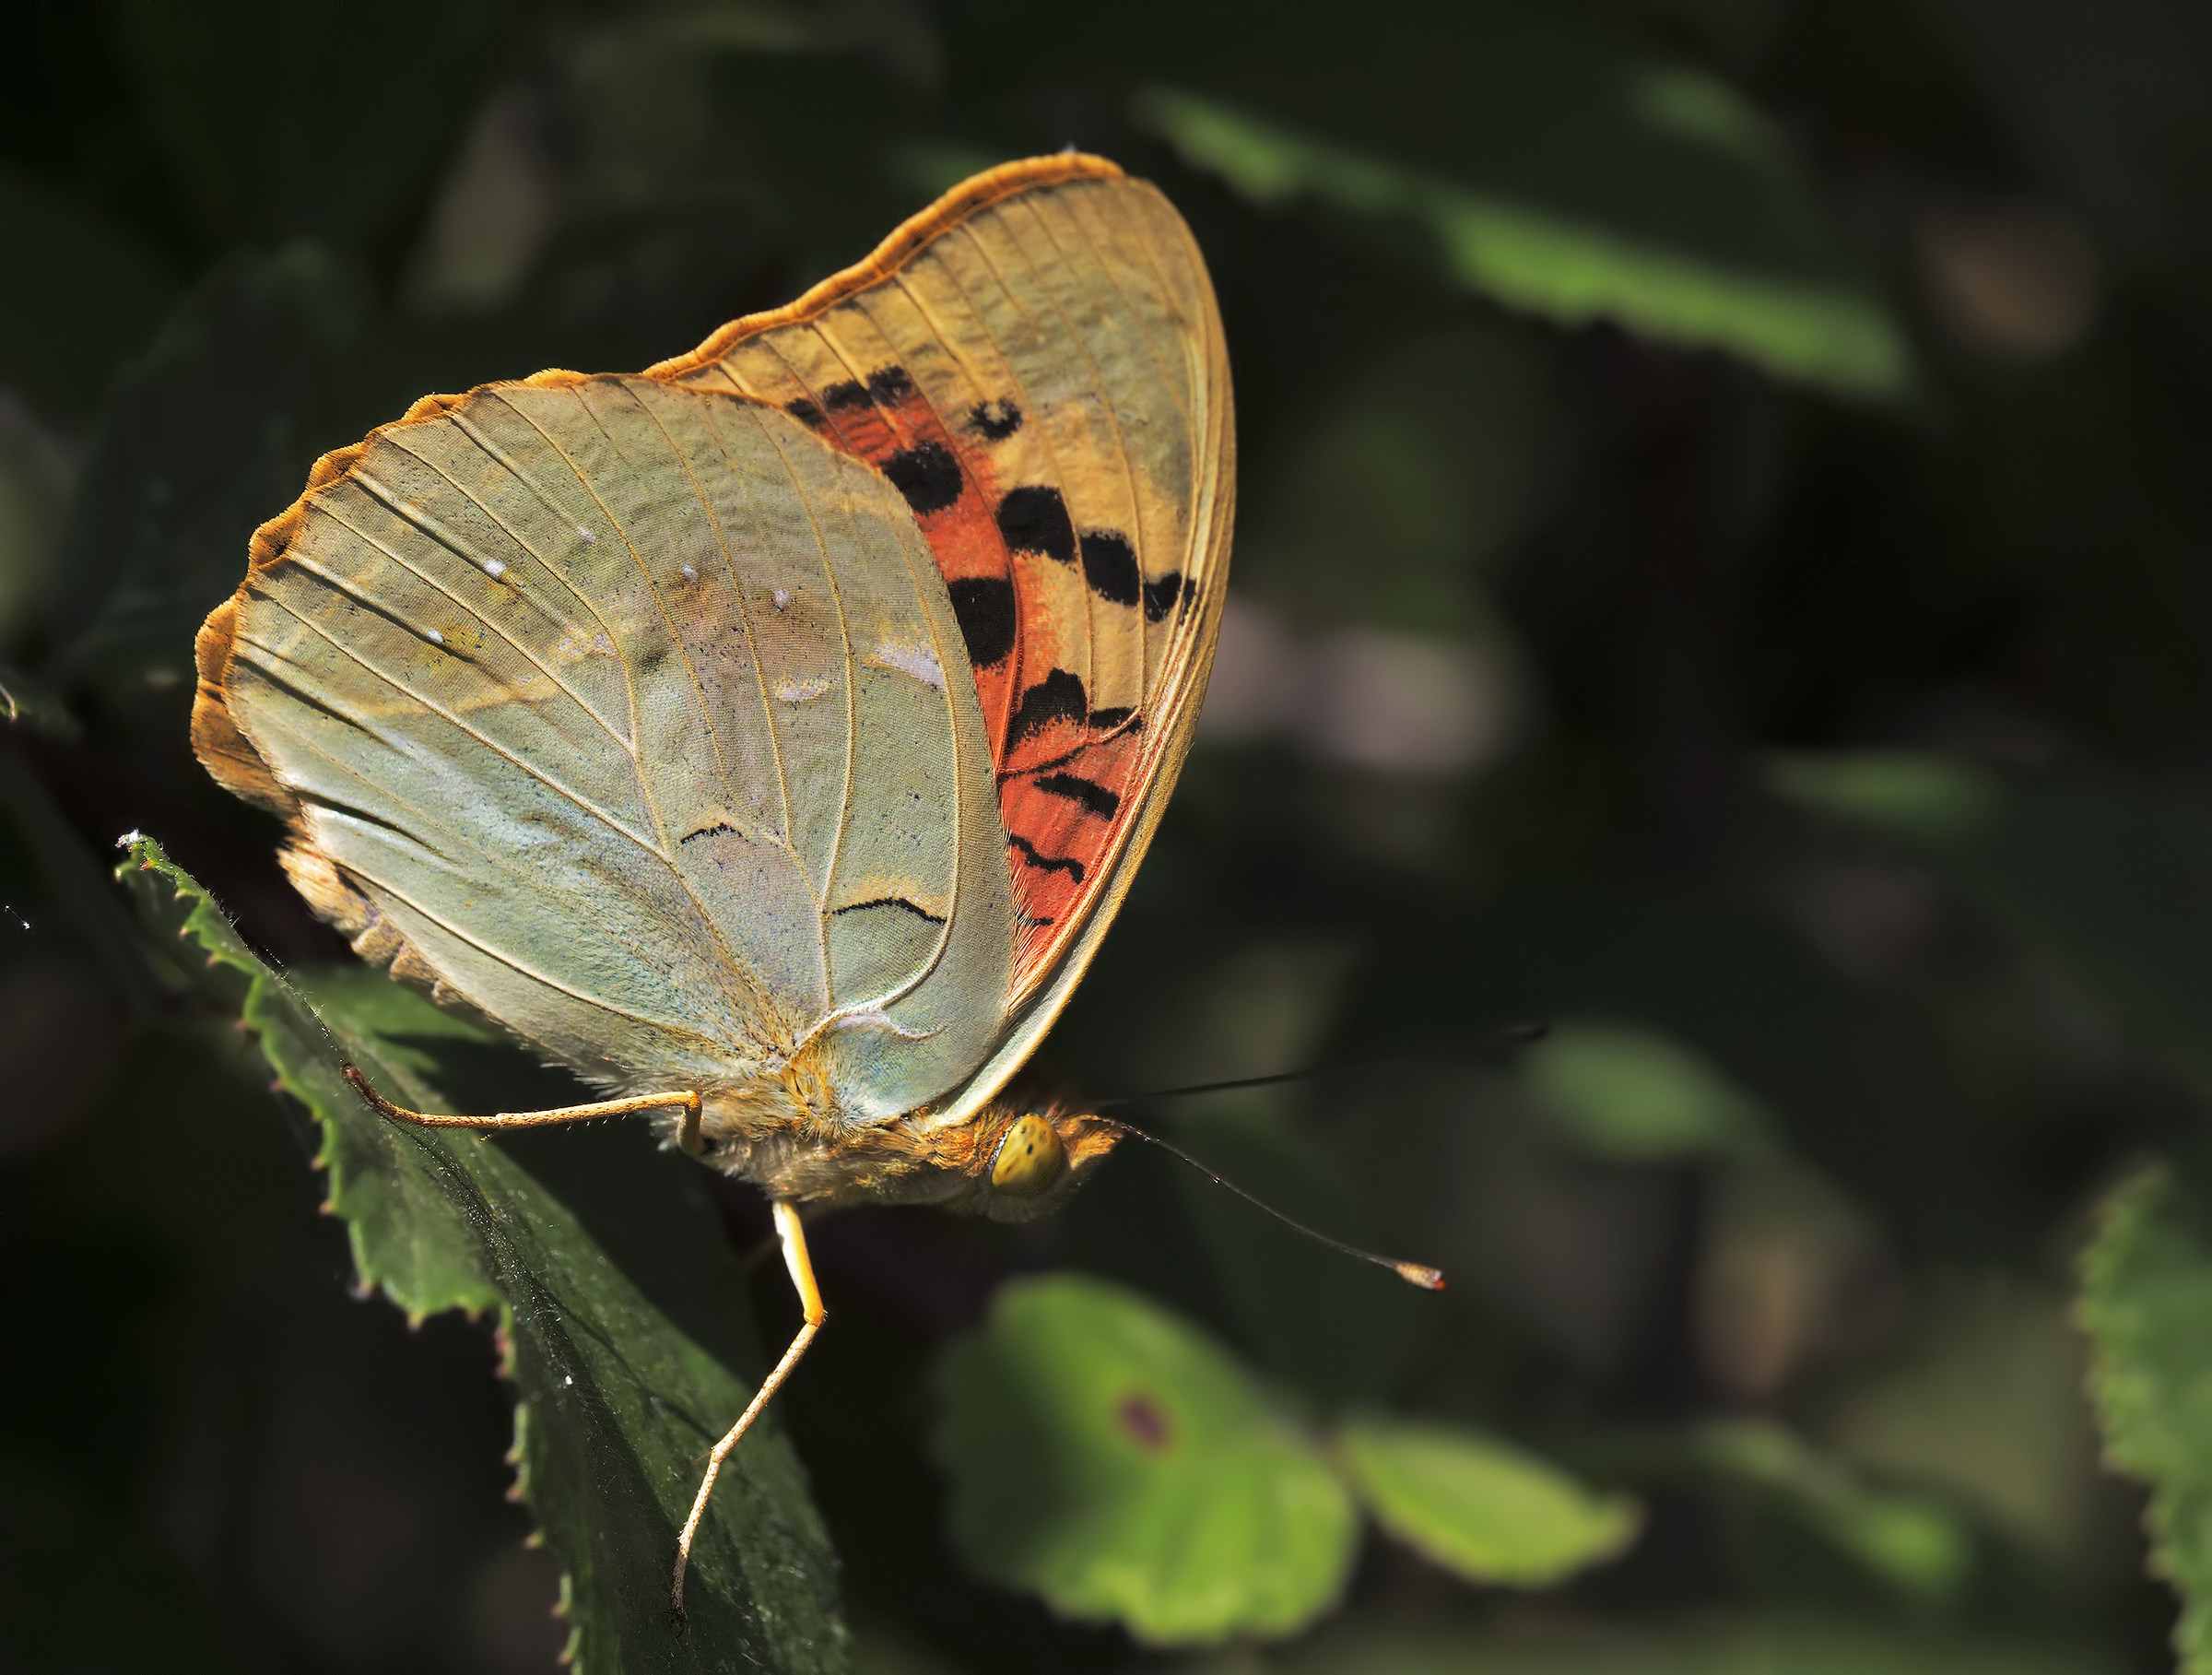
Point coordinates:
[[771, 736]]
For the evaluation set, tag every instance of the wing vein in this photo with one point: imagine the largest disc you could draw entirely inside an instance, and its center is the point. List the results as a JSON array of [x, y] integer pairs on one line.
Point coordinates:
[[1051, 453], [342, 584], [844, 632], [493, 745], [745, 616]]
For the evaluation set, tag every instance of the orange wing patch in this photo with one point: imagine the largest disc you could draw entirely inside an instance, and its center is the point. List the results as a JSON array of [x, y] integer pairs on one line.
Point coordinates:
[[1018, 362], [1065, 771]]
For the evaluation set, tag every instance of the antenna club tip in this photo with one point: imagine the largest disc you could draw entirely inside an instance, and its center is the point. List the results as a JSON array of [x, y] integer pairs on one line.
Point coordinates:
[[1415, 1273]]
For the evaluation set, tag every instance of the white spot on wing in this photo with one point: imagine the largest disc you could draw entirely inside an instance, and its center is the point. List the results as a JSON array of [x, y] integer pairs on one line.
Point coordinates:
[[589, 537], [876, 1018], [783, 598], [493, 567], [691, 574], [919, 661], [799, 691], [436, 638]]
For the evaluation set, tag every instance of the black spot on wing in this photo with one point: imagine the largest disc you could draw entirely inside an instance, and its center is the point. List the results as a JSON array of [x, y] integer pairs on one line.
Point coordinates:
[[919, 911], [707, 832], [889, 384], [996, 419], [1034, 519], [1166, 594], [1058, 697], [847, 397], [1046, 863], [985, 607], [1110, 566], [1105, 721], [806, 412], [927, 474], [1094, 797]]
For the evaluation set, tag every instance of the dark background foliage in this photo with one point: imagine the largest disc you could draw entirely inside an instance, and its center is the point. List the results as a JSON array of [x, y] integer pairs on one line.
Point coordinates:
[[1648, 409]]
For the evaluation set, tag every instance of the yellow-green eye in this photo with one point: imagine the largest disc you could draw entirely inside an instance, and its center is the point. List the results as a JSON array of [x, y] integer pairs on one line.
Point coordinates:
[[1029, 1159]]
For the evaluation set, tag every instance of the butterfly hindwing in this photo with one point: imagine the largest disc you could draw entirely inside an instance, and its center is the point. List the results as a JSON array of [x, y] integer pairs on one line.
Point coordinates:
[[1036, 363], [620, 710]]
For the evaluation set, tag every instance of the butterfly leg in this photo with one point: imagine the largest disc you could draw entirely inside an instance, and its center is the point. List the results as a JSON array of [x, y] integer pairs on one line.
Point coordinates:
[[689, 1102], [793, 1236]]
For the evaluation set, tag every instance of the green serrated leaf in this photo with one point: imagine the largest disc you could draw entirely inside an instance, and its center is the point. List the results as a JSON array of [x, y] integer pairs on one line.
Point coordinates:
[[1107, 1455], [619, 1309], [2146, 1304], [1480, 1507]]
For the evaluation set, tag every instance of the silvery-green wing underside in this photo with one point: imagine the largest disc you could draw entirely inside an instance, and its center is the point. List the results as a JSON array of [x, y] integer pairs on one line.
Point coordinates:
[[638, 716]]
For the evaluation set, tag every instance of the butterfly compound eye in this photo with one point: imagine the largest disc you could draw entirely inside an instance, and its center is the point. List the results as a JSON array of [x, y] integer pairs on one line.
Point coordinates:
[[1030, 1158]]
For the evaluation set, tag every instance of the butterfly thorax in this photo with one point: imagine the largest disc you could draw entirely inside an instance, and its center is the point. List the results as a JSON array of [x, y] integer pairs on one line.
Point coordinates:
[[1015, 1158]]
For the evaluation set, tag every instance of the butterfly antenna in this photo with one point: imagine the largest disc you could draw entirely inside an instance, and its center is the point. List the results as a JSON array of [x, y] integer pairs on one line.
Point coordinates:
[[1512, 1036], [1413, 1273]]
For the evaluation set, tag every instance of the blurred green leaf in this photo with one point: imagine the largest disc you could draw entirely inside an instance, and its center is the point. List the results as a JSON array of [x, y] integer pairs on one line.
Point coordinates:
[[2110, 876], [206, 437], [78, 293], [1480, 1509], [72, 884], [27, 704], [1980, 1400], [895, 33], [1635, 1094], [148, 1615], [617, 1300], [1849, 1078], [1330, 1328], [1926, 798], [2147, 1302], [1432, 463], [1908, 1540], [320, 119], [1777, 1647], [2105, 101], [1107, 1456], [1577, 181], [36, 470]]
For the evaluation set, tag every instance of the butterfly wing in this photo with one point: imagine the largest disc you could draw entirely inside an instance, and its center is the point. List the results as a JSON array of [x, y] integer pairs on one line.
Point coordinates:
[[621, 709], [1037, 363]]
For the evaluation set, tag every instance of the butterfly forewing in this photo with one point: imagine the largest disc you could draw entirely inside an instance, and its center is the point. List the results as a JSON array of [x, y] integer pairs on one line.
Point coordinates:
[[624, 706], [1036, 363]]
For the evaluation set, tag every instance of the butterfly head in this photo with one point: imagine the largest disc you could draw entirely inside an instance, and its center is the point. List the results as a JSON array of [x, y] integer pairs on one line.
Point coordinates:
[[1025, 1152], [1016, 1158]]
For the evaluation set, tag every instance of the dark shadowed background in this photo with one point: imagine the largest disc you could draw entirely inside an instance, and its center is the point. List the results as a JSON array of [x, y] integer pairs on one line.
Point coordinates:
[[1725, 569]]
